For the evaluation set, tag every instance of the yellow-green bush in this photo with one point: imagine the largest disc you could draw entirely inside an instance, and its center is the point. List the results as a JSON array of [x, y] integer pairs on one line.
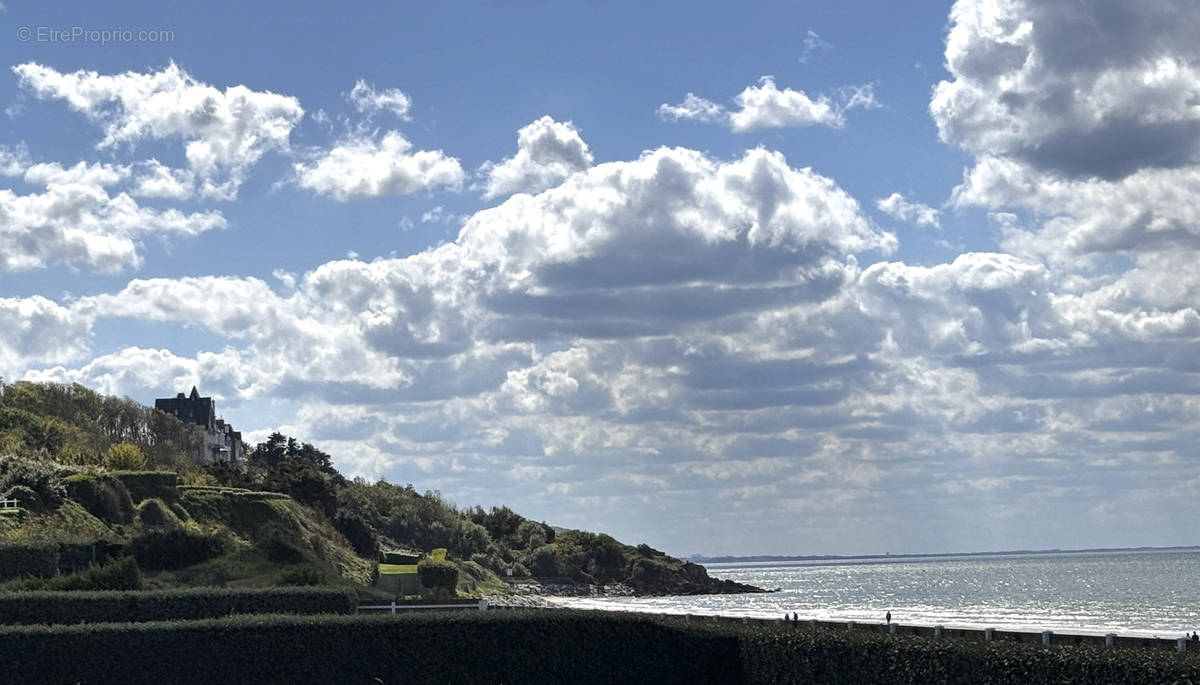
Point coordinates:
[[125, 456]]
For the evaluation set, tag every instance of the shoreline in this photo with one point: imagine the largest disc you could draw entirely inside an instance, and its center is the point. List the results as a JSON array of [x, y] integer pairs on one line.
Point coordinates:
[[581, 602]]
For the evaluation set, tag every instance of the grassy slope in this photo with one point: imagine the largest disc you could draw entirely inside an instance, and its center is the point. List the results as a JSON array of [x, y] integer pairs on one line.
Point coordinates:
[[247, 525]]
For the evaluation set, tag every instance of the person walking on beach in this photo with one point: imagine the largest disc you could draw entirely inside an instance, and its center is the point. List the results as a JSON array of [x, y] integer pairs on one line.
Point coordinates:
[[888, 617]]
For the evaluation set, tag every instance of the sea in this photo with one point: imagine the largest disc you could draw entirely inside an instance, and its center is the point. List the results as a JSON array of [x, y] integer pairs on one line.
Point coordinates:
[[1154, 593]]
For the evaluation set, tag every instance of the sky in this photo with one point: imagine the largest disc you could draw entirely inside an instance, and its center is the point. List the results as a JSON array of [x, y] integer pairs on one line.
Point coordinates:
[[788, 278]]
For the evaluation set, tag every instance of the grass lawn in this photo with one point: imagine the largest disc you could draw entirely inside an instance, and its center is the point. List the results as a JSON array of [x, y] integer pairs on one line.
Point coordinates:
[[397, 568]]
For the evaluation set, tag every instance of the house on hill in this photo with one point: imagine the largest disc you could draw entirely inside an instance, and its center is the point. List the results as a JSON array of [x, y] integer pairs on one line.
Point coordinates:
[[221, 441]]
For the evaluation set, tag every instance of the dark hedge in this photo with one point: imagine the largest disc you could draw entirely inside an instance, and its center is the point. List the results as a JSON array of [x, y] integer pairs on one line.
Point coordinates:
[[38, 559], [796, 653], [146, 484], [547, 647], [163, 605], [174, 548], [464, 647]]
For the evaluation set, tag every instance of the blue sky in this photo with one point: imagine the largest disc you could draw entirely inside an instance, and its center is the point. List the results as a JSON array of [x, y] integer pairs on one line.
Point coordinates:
[[826, 277]]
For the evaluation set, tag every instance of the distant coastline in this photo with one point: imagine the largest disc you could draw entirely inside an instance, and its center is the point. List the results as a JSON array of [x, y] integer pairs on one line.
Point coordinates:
[[700, 559]]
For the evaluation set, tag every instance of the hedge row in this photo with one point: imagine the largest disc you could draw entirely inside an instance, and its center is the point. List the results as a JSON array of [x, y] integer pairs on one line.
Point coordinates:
[[545, 647], [466, 647], [146, 484], [793, 653], [38, 559], [165, 605]]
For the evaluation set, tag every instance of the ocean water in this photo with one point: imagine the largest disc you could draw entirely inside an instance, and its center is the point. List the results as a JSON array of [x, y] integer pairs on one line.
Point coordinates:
[[1150, 593]]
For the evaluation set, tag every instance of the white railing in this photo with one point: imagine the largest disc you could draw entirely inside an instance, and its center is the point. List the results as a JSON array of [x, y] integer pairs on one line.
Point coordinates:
[[9, 504], [394, 607]]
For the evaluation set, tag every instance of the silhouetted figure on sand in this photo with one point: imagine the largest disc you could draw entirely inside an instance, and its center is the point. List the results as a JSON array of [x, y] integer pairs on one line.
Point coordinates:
[[888, 617]]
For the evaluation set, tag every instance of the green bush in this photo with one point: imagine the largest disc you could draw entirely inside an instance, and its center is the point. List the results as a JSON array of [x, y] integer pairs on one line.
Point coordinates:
[[104, 496], [37, 559], [164, 605], [174, 548], [152, 513], [79, 556], [439, 577], [25, 496], [302, 576], [357, 532], [121, 573], [125, 456], [281, 548], [146, 484], [42, 477]]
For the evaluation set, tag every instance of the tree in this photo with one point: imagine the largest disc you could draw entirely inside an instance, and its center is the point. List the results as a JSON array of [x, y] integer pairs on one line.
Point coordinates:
[[125, 456]]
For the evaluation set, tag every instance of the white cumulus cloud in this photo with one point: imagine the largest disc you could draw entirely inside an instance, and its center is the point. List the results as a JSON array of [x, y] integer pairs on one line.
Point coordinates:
[[362, 167], [224, 132], [366, 99], [77, 221], [897, 207], [764, 105], [548, 151]]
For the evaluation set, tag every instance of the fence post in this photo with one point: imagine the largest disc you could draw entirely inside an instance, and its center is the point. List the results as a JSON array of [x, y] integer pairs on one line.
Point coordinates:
[[989, 634], [483, 604], [1046, 635], [937, 631], [892, 628], [1109, 639], [393, 606], [1181, 644]]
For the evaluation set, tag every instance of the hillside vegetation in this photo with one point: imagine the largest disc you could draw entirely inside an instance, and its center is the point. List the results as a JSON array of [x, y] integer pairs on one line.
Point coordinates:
[[284, 516]]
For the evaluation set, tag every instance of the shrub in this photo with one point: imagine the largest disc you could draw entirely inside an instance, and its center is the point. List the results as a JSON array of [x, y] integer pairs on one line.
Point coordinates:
[[302, 576], [162, 605], [281, 548], [40, 476], [102, 495], [174, 548], [25, 497], [125, 456], [357, 532], [121, 573], [79, 456], [152, 513], [146, 484], [79, 556], [38, 559], [438, 577]]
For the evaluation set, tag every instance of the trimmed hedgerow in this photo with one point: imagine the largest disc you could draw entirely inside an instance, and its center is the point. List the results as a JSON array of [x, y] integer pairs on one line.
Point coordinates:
[[153, 513], [165, 605], [37, 559], [545, 647], [548, 647], [146, 484], [103, 495], [438, 575], [799, 654]]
